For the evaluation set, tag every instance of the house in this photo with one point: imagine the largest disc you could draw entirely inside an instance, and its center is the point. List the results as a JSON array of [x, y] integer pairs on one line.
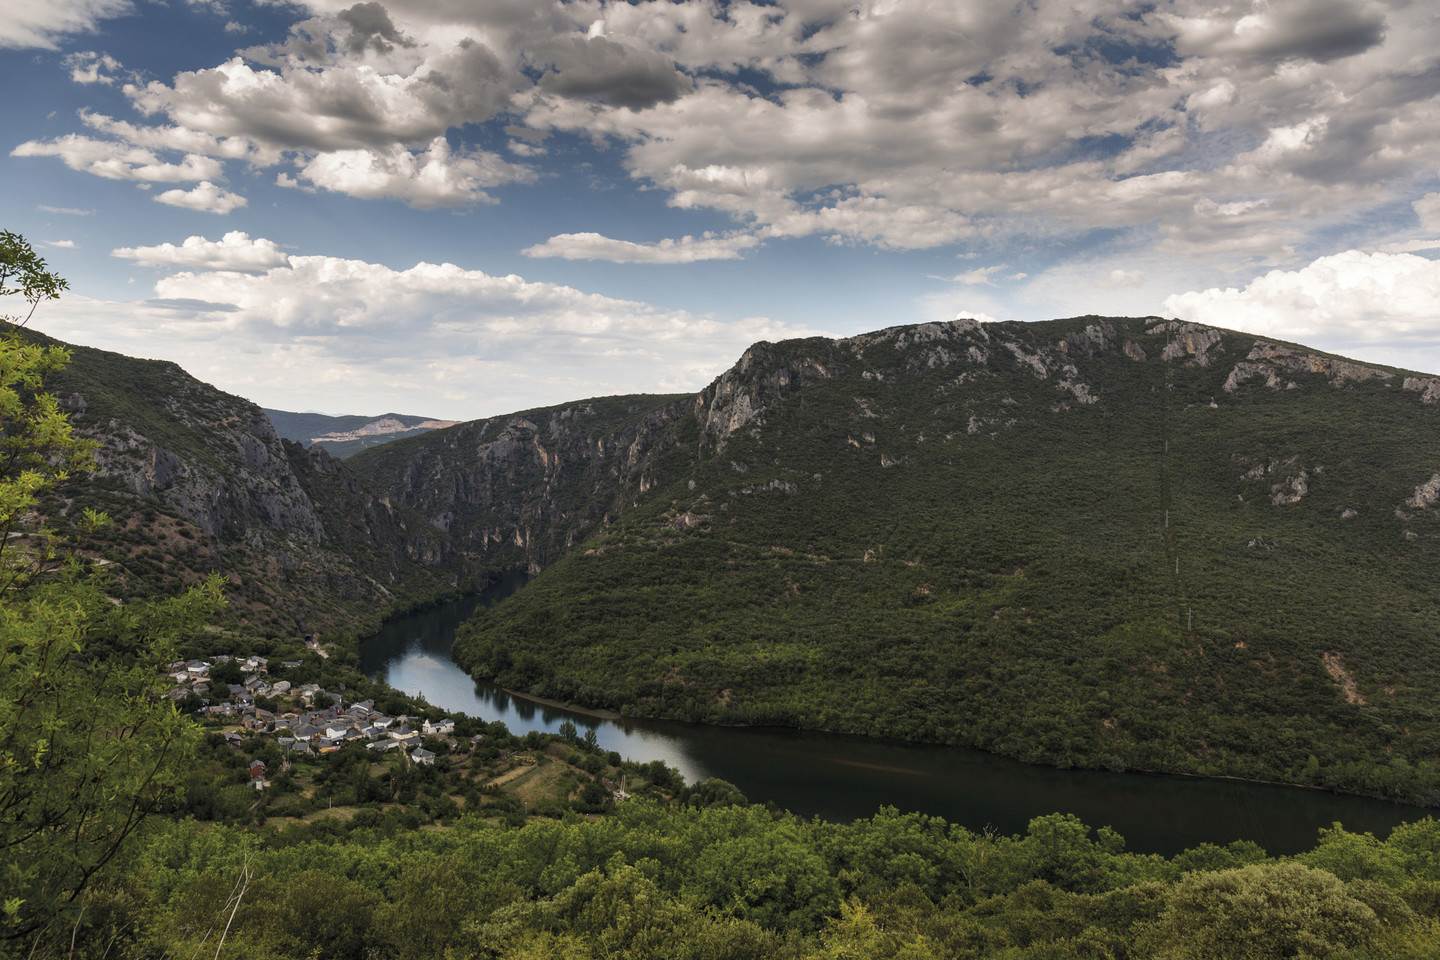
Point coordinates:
[[257, 774], [280, 688], [439, 728], [421, 755]]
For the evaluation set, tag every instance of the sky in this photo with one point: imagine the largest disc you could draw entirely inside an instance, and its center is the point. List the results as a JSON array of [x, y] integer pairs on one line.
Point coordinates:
[[463, 208]]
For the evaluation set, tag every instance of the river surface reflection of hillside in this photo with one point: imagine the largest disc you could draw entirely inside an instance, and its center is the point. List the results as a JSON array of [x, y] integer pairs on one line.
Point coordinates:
[[841, 778]]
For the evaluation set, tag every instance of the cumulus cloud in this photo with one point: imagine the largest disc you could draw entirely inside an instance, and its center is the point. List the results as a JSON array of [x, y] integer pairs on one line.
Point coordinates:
[[434, 337], [902, 124], [344, 104], [43, 24], [204, 197], [1269, 34], [235, 251], [437, 177], [115, 160], [595, 246], [1340, 301], [85, 67], [624, 74]]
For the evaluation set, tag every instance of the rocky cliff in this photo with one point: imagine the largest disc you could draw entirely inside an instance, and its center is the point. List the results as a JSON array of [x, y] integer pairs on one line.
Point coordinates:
[[524, 489], [199, 481]]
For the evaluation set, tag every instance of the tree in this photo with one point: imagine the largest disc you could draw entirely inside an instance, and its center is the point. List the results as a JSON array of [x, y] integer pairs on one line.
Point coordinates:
[[1262, 911], [24, 273], [88, 748]]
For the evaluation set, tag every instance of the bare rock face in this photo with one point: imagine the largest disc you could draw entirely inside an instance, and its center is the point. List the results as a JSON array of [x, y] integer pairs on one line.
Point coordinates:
[[1426, 494], [523, 489], [238, 485], [1095, 338], [739, 396], [1274, 362], [292, 529], [1188, 340], [1428, 388]]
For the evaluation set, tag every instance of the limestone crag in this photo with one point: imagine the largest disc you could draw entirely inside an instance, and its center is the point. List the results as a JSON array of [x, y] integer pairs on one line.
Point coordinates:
[[292, 530], [523, 489]]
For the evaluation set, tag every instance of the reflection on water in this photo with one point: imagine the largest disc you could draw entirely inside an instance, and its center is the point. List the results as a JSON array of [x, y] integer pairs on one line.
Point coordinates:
[[841, 778]]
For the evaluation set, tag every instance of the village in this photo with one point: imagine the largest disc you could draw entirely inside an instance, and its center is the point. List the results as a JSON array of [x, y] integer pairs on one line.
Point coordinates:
[[242, 701], [304, 720]]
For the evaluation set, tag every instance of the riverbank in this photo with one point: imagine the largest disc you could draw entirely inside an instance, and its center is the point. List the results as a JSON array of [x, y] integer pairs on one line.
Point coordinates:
[[598, 714]]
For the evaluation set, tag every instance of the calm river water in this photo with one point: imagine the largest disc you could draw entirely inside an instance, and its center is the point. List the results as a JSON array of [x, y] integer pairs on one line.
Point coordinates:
[[841, 778]]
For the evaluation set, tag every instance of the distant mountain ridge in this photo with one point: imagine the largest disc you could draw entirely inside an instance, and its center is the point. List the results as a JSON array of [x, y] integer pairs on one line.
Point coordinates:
[[345, 436]]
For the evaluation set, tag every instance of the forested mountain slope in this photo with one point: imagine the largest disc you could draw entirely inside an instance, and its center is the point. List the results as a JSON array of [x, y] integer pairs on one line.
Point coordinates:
[[1129, 543], [199, 482]]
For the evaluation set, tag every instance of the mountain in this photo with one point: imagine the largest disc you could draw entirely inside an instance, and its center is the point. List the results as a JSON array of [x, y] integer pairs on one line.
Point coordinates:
[[342, 437], [200, 482], [1123, 543]]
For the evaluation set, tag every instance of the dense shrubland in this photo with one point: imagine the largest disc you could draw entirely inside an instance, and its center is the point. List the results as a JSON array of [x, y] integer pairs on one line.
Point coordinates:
[[711, 879], [1108, 584]]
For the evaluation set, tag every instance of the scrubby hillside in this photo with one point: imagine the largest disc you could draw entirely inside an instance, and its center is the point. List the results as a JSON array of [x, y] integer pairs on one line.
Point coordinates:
[[1121, 543]]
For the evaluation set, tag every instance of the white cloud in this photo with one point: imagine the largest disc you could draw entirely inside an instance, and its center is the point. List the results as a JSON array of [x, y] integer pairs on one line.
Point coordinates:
[[204, 197], [41, 24], [234, 251], [345, 103], [1427, 208], [119, 161], [69, 211], [594, 246], [1337, 302], [179, 139], [322, 332], [975, 277], [438, 177], [902, 124], [60, 244], [85, 67], [1125, 278]]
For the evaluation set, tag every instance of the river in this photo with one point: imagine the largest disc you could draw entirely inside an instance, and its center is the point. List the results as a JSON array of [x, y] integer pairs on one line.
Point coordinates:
[[842, 778]]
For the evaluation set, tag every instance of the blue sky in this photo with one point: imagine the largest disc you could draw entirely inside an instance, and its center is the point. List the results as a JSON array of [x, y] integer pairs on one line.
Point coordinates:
[[460, 208]]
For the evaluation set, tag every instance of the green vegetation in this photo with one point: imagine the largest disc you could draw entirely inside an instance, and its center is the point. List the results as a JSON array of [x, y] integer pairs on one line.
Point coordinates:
[[867, 536], [890, 549], [87, 748], [701, 879]]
